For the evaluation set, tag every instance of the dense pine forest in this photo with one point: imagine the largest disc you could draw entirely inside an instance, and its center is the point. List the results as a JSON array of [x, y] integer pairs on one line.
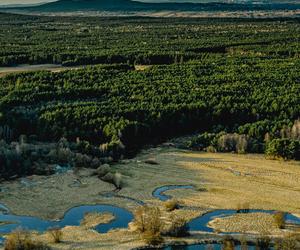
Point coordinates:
[[233, 82]]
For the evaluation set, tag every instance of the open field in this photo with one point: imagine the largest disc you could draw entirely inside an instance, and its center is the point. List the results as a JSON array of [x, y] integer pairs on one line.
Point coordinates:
[[167, 14], [230, 179], [50, 197], [225, 14], [221, 181], [31, 68], [246, 223], [55, 68]]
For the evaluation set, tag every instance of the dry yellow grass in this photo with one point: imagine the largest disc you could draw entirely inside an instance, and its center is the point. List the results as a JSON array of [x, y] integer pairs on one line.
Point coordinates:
[[218, 14], [229, 180], [51, 196], [79, 237], [238, 179], [261, 223], [92, 220]]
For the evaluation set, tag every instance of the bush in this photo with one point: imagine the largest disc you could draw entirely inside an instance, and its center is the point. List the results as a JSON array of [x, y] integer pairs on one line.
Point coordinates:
[[21, 240], [115, 179], [152, 239], [211, 149], [228, 243], [151, 162], [82, 160], [102, 170], [118, 180], [148, 223], [283, 148], [244, 243], [171, 205], [140, 218], [295, 130], [109, 177], [116, 148], [95, 163], [263, 242], [179, 227], [233, 143], [279, 218], [56, 234], [288, 242], [202, 141], [291, 132], [226, 142]]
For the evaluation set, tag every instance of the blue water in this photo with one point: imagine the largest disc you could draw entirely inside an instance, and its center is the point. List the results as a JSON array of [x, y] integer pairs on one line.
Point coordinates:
[[203, 247], [4, 209], [159, 192], [200, 223], [72, 217], [289, 218]]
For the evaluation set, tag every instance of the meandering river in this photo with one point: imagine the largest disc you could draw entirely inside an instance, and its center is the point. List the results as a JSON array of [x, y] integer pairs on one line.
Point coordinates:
[[74, 216]]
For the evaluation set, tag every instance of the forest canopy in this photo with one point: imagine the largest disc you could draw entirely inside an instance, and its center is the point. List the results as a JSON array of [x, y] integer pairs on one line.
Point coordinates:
[[235, 79]]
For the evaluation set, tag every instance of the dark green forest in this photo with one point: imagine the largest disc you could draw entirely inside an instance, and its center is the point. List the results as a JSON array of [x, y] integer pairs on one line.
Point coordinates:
[[95, 40], [234, 83]]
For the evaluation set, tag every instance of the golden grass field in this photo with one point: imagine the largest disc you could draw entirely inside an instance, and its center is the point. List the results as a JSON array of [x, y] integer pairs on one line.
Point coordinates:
[[231, 180], [247, 223], [221, 181]]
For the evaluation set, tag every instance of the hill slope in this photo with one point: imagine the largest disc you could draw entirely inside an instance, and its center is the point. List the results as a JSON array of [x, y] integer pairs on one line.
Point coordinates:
[[129, 5]]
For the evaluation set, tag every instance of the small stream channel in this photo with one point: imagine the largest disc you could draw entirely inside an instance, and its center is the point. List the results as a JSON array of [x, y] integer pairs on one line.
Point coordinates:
[[159, 193], [72, 217], [200, 223]]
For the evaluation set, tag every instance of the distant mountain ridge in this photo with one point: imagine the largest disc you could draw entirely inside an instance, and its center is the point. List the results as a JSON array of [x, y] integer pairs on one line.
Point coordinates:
[[20, 5], [129, 5]]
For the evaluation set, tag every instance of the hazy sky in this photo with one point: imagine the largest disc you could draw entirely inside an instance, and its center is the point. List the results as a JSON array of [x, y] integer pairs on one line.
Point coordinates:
[[2, 2], [5, 2]]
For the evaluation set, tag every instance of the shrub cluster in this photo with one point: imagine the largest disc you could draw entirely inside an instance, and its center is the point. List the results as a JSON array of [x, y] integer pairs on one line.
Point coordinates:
[[21, 240], [171, 205], [149, 224], [288, 242], [279, 218], [284, 148], [178, 228], [275, 139], [56, 234]]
